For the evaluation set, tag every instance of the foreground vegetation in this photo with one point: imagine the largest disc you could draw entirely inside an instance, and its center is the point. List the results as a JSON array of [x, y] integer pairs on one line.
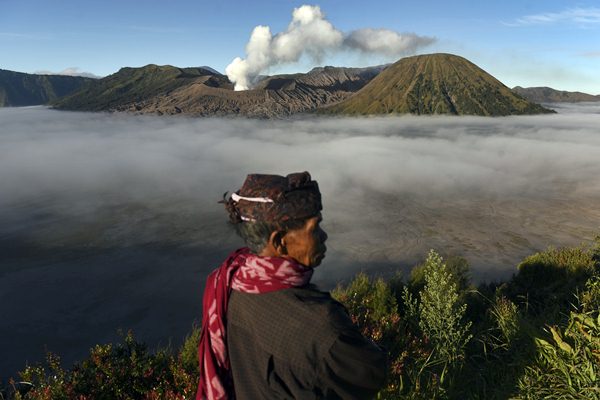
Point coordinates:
[[536, 336]]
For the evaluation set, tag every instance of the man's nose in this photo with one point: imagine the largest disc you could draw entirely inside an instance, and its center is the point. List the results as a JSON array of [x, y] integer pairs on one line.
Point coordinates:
[[323, 236]]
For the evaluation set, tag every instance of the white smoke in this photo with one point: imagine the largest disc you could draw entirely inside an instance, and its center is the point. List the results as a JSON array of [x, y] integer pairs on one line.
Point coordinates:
[[309, 33]]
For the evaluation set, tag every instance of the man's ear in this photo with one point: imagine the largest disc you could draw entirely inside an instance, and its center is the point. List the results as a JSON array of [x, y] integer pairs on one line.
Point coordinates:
[[277, 241]]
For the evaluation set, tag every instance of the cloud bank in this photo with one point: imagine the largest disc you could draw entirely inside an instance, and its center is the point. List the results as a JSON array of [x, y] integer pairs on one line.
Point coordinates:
[[70, 152], [461, 184], [311, 34], [77, 165], [111, 221]]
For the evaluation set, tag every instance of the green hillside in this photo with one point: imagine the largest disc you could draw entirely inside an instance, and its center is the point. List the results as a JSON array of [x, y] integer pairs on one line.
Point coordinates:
[[130, 85], [19, 89], [435, 84], [548, 95]]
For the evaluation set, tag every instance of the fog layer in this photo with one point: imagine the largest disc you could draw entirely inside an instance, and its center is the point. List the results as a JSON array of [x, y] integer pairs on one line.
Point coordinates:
[[111, 220]]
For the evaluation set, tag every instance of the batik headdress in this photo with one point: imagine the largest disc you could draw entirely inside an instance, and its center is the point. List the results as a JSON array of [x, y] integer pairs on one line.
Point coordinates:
[[274, 198]]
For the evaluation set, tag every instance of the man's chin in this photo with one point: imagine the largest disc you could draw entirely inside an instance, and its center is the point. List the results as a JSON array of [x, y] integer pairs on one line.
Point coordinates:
[[318, 259]]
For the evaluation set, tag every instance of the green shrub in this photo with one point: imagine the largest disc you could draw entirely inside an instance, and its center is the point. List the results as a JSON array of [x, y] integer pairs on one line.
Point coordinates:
[[458, 268], [436, 315], [124, 370], [590, 298], [427, 344], [505, 315], [546, 281], [440, 312], [567, 365], [188, 354], [372, 306], [49, 382]]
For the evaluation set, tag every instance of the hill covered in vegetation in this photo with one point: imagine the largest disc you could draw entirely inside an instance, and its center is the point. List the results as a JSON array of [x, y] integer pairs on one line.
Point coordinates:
[[549, 95], [536, 336], [18, 89], [126, 88], [436, 84]]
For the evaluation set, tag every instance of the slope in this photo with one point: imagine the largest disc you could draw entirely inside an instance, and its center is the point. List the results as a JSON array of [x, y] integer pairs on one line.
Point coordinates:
[[121, 90], [20, 89], [435, 84], [201, 91], [549, 95]]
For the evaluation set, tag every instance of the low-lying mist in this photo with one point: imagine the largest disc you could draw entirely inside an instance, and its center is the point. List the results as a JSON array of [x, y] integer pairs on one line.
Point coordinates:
[[111, 220]]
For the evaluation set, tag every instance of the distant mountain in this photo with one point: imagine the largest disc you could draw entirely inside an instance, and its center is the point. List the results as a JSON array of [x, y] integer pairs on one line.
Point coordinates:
[[202, 91], [435, 84], [549, 95], [428, 84], [20, 89], [130, 87]]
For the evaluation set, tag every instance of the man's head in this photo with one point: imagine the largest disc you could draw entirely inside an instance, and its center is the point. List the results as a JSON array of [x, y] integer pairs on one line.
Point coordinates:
[[280, 216]]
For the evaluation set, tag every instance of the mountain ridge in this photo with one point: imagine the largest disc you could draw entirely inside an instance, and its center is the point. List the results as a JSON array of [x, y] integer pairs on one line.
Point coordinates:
[[18, 89], [171, 90], [425, 84], [129, 85], [544, 94]]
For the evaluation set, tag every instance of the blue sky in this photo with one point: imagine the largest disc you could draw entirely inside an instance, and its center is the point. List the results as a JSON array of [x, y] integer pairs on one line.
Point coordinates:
[[520, 42]]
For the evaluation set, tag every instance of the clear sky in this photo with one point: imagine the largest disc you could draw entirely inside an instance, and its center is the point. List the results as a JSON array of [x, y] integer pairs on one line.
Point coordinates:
[[521, 42]]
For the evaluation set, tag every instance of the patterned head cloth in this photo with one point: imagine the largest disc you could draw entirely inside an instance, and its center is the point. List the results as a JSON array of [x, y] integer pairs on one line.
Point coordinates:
[[275, 198]]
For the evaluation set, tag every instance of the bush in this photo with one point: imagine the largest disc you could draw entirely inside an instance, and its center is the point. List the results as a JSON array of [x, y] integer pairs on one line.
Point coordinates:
[[438, 316], [427, 344], [372, 306], [567, 365], [441, 314], [115, 371], [457, 267], [590, 299], [505, 315], [546, 281], [188, 354]]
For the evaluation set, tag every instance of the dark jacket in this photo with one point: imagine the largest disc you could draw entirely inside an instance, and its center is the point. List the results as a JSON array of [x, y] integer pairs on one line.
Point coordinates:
[[299, 344]]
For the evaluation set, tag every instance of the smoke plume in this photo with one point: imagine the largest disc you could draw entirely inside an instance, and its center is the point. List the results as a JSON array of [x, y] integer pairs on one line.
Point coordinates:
[[309, 33]]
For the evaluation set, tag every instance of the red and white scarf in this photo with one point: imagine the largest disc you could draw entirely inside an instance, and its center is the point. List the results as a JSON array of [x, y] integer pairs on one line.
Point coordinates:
[[244, 272]]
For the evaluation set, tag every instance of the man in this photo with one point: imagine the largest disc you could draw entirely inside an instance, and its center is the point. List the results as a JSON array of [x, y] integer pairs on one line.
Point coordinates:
[[266, 332]]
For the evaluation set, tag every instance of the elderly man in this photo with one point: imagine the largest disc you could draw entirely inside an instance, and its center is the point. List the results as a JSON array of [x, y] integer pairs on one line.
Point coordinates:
[[266, 332]]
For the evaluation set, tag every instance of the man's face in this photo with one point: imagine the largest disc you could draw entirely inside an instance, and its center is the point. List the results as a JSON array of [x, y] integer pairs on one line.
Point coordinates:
[[307, 244]]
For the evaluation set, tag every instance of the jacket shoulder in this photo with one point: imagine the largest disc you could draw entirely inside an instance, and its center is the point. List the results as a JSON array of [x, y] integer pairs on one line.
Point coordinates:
[[288, 319], [300, 343]]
